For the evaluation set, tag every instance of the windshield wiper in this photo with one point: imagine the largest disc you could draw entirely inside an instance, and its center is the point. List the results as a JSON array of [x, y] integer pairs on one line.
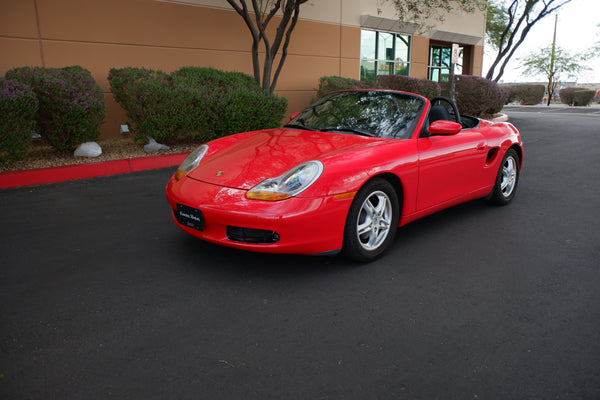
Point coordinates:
[[351, 130], [298, 126]]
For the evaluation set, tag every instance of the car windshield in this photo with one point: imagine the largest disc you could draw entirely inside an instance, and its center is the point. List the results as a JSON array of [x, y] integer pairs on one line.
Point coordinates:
[[363, 112]]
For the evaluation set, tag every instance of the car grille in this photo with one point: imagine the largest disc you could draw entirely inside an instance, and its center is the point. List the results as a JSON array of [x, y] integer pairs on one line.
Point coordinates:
[[247, 235]]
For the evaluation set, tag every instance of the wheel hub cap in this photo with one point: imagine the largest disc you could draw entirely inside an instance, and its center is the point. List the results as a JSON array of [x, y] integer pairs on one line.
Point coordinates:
[[509, 176], [374, 221]]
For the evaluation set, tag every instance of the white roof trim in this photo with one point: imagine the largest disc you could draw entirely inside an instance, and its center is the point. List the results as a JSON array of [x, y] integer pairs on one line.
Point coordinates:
[[454, 37], [387, 24]]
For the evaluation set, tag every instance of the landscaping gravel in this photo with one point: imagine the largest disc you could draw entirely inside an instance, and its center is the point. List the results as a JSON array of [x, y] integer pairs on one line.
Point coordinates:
[[42, 155]]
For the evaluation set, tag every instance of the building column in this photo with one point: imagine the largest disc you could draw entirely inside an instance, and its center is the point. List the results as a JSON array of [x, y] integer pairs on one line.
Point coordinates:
[[420, 57]]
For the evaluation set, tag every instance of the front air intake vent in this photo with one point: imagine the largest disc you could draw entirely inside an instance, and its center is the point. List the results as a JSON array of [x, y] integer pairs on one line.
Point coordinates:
[[254, 236]]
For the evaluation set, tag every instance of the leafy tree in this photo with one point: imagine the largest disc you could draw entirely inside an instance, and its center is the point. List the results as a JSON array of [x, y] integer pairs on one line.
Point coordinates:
[[554, 63], [420, 11], [511, 22], [595, 49], [495, 24], [263, 12]]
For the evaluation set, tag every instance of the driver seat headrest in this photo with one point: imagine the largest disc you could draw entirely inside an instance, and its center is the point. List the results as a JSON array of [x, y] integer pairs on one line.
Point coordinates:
[[439, 112]]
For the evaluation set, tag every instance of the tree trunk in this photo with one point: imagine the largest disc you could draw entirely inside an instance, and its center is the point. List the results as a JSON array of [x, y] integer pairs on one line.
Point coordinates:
[[290, 13], [506, 52]]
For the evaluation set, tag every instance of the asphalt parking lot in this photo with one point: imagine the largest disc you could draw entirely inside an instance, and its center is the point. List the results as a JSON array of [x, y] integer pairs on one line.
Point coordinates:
[[101, 296]]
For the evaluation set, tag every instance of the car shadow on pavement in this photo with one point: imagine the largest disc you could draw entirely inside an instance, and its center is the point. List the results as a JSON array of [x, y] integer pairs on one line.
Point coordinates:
[[225, 261], [231, 261]]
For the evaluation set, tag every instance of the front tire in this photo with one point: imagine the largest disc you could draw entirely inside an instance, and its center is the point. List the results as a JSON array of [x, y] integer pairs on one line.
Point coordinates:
[[372, 221], [507, 179]]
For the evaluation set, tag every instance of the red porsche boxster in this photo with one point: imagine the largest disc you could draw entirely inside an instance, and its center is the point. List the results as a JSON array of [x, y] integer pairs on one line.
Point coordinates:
[[343, 174]]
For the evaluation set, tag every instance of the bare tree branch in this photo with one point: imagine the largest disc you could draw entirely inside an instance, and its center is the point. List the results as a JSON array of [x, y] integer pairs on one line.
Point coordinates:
[[289, 11], [523, 15], [286, 43], [242, 10]]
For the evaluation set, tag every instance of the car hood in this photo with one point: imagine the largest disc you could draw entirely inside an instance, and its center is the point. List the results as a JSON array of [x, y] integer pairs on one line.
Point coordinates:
[[248, 159]]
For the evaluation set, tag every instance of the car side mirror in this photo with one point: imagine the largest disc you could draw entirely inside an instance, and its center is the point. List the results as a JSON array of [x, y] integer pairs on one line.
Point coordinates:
[[443, 127], [294, 115]]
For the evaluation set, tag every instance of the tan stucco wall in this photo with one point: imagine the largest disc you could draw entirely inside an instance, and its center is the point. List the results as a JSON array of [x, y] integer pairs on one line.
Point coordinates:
[[101, 34], [348, 12], [419, 57], [477, 60]]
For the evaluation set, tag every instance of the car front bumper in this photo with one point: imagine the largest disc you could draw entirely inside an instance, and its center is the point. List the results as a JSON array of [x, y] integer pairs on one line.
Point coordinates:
[[302, 225]]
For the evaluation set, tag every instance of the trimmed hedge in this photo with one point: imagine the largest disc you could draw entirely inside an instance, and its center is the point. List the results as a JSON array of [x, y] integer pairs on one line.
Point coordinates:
[[576, 96], [424, 87], [404, 83], [121, 81], [203, 76], [328, 84], [71, 104], [476, 96], [18, 107], [473, 95], [525, 94], [194, 102]]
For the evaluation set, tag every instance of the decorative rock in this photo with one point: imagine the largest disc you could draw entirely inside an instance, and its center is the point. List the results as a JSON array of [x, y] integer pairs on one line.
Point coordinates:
[[153, 146], [88, 149]]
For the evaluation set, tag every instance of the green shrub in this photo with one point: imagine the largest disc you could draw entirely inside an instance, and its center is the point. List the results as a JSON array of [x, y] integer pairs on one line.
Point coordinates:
[[404, 83], [156, 108], [249, 110], [583, 97], [200, 103], [424, 87], [71, 104], [202, 76], [18, 107], [524, 94], [121, 80], [576, 96], [477, 96], [567, 95], [473, 95], [512, 93], [235, 102], [328, 84]]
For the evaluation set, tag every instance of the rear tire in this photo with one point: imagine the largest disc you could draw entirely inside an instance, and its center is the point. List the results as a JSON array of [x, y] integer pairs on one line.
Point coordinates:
[[372, 221], [507, 179]]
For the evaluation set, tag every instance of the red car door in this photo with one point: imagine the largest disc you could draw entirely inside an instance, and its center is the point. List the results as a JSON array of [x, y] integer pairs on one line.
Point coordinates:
[[449, 166]]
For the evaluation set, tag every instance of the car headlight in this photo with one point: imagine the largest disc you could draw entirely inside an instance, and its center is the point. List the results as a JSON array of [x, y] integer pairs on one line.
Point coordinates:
[[191, 161], [289, 184]]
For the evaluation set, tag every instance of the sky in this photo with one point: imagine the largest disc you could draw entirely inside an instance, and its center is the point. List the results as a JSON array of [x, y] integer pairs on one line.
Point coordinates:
[[577, 31]]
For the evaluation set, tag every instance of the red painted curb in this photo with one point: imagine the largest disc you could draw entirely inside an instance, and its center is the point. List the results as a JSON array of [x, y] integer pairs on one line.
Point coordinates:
[[80, 171]]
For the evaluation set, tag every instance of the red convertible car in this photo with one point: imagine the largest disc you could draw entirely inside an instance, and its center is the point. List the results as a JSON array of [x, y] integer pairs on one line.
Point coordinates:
[[343, 174]]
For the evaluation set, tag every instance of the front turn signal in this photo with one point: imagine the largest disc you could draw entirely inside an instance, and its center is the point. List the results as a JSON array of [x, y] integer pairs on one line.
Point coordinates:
[[179, 174], [266, 195]]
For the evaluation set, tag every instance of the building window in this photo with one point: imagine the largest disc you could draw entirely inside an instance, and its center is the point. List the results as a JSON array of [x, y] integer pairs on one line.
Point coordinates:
[[383, 53], [439, 62]]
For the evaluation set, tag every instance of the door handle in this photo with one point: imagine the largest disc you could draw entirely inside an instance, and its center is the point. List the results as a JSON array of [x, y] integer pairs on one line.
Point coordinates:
[[481, 146]]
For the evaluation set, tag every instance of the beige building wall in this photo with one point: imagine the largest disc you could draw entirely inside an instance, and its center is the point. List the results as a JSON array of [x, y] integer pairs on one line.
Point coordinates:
[[166, 35]]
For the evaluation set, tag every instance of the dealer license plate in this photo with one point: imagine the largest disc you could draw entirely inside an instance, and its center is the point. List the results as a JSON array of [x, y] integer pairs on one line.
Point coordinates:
[[191, 217]]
